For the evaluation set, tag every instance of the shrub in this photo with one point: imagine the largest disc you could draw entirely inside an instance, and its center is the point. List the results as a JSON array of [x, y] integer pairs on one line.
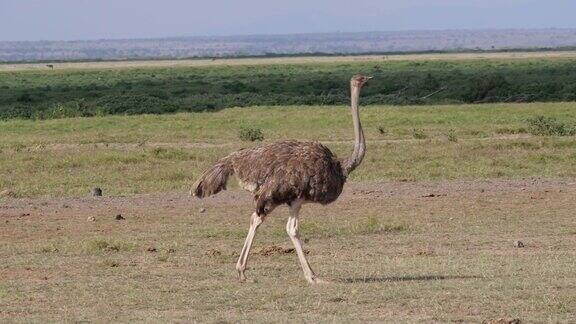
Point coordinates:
[[479, 88], [549, 126], [250, 134], [135, 104], [25, 97], [418, 134], [452, 136], [138, 91], [67, 110], [16, 111], [381, 130]]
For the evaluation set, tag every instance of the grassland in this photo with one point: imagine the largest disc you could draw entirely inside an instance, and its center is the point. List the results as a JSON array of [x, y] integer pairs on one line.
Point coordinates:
[[158, 90], [397, 252], [151, 153], [424, 231]]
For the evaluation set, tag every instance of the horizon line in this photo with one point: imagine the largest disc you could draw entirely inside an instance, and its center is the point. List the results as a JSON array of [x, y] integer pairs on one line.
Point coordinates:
[[287, 34]]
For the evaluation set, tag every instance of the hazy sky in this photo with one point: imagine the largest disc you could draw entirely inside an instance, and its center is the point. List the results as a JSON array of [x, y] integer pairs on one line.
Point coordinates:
[[95, 19]]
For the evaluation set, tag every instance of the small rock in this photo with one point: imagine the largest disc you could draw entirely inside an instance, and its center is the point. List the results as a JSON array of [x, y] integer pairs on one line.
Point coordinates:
[[119, 217], [171, 250], [432, 195], [151, 249], [202, 210], [91, 219], [96, 192], [518, 244]]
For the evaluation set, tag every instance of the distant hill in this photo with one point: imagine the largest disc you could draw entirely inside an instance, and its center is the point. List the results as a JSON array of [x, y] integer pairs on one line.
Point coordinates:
[[256, 45]]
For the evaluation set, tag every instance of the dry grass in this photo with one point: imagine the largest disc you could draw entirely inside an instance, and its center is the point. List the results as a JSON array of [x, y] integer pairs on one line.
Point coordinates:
[[286, 60], [145, 154], [395, 253]]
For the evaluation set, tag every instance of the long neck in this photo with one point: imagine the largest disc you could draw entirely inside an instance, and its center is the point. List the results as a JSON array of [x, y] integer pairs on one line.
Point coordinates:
[[359, 144]]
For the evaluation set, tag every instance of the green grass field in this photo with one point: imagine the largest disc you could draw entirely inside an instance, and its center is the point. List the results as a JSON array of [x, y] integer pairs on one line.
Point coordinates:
[[150, 153]]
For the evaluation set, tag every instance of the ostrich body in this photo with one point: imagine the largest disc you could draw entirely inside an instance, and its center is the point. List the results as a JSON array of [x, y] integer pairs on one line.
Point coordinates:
[[287, 172]]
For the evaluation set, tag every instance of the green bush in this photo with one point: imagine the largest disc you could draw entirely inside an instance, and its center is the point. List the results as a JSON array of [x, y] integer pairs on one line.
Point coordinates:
[[68, 110], [382, 130], [35, 94], [484, 88], [418, 134], [16, 111], [451, 135], [549, 126], [135, 104], [249, 134]]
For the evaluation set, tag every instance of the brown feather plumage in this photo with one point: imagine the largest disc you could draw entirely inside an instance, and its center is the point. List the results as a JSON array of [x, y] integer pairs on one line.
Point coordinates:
[[279, 173]]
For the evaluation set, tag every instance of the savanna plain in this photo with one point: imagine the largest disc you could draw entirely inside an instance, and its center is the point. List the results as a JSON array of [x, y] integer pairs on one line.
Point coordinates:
[[459, 213]]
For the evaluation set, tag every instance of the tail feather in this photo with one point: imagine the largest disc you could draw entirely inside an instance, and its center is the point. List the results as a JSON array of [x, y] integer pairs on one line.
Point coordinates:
[[213, 180]]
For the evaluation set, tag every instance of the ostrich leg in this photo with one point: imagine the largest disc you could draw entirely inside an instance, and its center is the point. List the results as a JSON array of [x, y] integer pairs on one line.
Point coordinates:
[[255, 221], [292, 229]]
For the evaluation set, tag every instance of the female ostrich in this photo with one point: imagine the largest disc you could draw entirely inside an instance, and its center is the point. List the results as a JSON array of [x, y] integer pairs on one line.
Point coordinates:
[[287, 172]]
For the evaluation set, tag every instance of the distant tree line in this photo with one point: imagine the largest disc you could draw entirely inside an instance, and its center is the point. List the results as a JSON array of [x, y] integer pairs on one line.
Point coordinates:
[[167, 90]]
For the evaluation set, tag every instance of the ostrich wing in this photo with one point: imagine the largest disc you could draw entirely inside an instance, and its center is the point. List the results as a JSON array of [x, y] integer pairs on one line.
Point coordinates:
[[285, 171]]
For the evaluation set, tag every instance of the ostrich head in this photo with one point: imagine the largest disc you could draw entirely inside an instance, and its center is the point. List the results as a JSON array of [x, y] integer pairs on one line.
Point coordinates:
[[359, 80]]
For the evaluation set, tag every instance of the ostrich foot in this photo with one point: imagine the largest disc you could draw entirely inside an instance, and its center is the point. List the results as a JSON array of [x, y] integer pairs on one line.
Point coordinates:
[[242, 278]]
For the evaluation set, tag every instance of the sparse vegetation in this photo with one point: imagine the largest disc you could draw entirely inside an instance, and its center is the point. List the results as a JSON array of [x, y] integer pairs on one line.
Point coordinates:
[[451, 135], [418, 133], [102, 245], [511, 130], [398, 258], [250, 134], [550, 126]]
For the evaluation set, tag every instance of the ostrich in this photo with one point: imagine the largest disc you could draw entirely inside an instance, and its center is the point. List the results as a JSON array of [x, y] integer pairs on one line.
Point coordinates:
[[287, 172]]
